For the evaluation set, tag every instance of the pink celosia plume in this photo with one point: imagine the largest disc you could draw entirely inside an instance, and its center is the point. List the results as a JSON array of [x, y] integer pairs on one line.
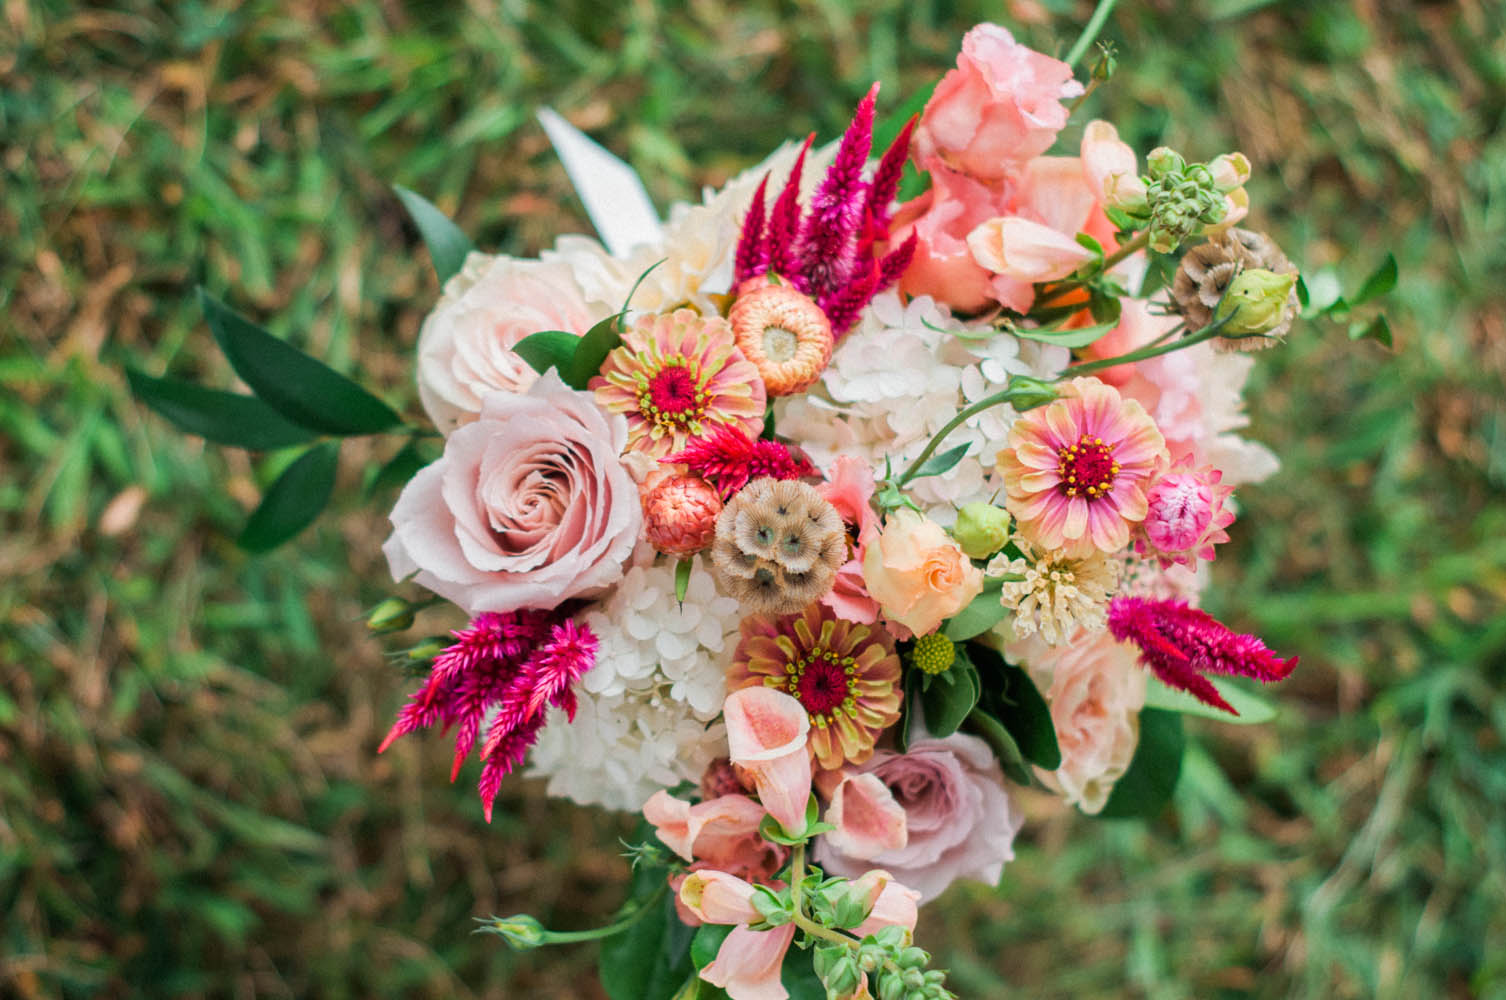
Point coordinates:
[[728, 458]]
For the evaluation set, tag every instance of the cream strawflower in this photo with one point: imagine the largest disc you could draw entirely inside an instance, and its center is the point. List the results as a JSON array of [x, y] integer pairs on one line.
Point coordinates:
[[1059, 593]]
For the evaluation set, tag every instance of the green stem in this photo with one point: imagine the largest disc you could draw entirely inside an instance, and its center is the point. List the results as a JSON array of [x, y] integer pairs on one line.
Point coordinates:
[[1002, 396], [797, 876], [1135, 245], [1095, 24], [1206, 333], [621, 924]]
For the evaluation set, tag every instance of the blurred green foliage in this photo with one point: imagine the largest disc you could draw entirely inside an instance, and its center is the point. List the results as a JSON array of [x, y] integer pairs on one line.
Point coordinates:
[[190, 801]]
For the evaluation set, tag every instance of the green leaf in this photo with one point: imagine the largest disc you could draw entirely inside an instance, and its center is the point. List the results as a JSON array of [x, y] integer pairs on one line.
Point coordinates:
[[1089, 243], [950, 696], [448, 246], [1012, 697], [1105, 310], [992, 731], [400, 468], [547, 349], [1377, 329], [938, 464], [682, 578], [222, 417], [983, 613], [293, 501], [1080, 337], [1379, 283], [1146, 787], [798, 976], [707, 942], [307, 392], [650, 960], [591, 352], [1253, 708]]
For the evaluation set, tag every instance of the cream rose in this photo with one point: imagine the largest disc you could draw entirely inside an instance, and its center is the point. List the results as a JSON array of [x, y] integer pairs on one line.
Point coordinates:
[[919, 575], [465, 345], [528, 506]]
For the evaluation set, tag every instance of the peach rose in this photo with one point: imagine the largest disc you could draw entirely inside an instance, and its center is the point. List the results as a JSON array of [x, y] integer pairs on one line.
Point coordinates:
[[528, 506], [465, 344], [918, 574], [998, 108]]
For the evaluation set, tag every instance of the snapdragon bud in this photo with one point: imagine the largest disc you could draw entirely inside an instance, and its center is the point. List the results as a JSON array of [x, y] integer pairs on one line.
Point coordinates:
[[392, 615], [521, 931], [1028, 393], [1163, 161], [981, 529], [1255, 302], [1230, 171]]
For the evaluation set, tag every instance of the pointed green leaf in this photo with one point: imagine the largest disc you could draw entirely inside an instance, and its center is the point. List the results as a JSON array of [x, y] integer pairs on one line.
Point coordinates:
[[400, 468], [293, 501], [448, 245], [222, 417], [985, 611], [1379, 283], [1005, 749], [307, 392], [1377, 330], [682, 578], [547, 349], [707, 942], [1253, 708], [1090, 244], [1146, 787], [950, 696], [591, 350], [1013, 698], [938, 464], [1081, 337]]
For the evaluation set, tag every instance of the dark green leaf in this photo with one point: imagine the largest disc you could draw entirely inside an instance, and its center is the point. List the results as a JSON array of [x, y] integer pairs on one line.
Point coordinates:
[[707, 942], [1377, 329], [938, 464], [447, 245], [591, 352], [307, 392], [1105, 309], [548, 349], [1011, 760], [1146, 787], [950, 696], [798, 976], [650, 960], [1253, 708], [222, 417], [1303, 298], [1379, 283], [1080, 337], [1012, 697], [768, 425], [293, 501], [400, 468]]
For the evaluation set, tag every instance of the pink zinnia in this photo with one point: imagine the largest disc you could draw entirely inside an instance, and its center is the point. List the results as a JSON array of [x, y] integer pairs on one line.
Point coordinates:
[[1076, 470], [1186, 516], [1180, 644], [679, 376], [517, 662]]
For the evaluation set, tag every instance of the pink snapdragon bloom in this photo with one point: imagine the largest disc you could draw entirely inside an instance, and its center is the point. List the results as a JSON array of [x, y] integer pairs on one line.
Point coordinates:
[[515, 663], [1076, 469], [1111, 167], [940, 220], [891, 904], [850, 490], [766, 737], [719, 833], [716, 897], [749, 962], [1186, 516], [1000, 107], [1180, 644], [868, 819]]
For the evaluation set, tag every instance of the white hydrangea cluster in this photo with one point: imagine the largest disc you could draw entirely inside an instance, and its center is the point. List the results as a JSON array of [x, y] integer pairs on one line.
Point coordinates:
[[897, 379], [658, 681]]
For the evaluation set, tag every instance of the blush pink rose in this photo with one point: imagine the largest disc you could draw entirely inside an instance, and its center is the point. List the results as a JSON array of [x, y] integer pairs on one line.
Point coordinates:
[[528, 506], [943, 266], [465, 344], [959, 820], [1001, 106], [919, 574]]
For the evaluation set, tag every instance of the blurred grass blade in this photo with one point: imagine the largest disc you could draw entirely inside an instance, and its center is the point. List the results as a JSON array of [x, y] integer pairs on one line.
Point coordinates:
[[448, 245], [222, 417], [306, 391], [294, 500]]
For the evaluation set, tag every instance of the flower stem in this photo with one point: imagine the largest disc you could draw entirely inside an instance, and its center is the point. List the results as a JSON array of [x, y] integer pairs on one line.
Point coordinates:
[[621, 924], [1090, 32], [1003, 396], [797, 876], [1206, 333]]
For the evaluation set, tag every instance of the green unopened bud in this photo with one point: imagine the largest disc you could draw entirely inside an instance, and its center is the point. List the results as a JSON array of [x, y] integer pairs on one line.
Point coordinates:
[[892, 988], [1163, 161], [426, 650], [392, 615], [842, 978], [981, 529], [1255, 302], [1105, 64], [1028, 393], [521, 931]]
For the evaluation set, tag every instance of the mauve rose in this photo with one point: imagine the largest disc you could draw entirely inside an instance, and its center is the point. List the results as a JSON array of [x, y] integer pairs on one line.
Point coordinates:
[[960, 821], [998, 108], [465, 344], [528, 506]]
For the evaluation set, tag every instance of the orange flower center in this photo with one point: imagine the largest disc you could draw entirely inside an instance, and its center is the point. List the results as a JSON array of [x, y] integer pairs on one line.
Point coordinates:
[[1087, 468]]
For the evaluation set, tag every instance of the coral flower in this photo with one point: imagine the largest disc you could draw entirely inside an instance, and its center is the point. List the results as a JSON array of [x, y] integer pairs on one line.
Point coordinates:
[[1076, 470], [1187, 516], [784, 334], [678, 376], [845, 675], [679, 515]]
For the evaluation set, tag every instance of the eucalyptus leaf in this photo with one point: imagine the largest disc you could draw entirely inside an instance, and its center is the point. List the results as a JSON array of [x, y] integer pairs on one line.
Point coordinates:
[[548, 349], [1146, 787], [1253, 708], [305, 391], [293, 501], [448, 245], [227, 418]]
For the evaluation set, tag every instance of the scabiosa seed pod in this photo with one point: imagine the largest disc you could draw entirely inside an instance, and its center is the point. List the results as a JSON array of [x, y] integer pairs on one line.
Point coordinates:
[[778, 546], [784, 334], [679, 515], [1209, 268]]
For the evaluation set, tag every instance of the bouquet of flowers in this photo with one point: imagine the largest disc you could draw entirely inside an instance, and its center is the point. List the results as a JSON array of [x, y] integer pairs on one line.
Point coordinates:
[[813, 521]]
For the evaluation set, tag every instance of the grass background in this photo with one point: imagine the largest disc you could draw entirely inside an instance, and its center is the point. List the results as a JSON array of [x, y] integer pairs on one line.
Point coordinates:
[[190, 803]]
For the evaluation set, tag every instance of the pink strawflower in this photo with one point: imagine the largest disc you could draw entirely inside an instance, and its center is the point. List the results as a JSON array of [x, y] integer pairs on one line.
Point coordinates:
[[1180, 644], [679, 515], [1076, 469], [676, 377], [517, 662], [729, 458], [1186, 516]]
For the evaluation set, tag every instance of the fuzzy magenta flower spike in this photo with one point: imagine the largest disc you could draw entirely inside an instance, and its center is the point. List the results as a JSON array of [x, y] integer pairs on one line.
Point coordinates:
[[729, 459], [1180, 644]]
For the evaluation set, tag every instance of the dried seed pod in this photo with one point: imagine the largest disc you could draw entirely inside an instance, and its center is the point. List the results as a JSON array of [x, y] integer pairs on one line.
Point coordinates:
[[778, 546], [1207, 270]]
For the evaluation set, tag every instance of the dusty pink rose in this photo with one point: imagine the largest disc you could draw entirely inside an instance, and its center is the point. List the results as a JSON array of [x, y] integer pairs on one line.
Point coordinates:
[[943, 266], [465, 345], [918, 574], [528, 506], [998, 108], [850, 491], [766, 736], [1095, 690], [959, 819]]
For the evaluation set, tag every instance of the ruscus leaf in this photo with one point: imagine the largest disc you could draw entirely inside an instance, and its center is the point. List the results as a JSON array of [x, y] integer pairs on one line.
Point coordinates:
[[293, 501], [1380, 282], [590, 352], [547, 349], [950, 697], [938, 464], [448, 245], [226, 418], [1146, 787]]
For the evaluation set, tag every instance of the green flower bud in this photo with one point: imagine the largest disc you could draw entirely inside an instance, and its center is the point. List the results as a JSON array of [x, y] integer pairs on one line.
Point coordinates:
[[426, 650], [392, 615], [981, 530], [1165, 162], [521, 931], [1255, 302], [1229, 171], [843, 976], [1029, 392]]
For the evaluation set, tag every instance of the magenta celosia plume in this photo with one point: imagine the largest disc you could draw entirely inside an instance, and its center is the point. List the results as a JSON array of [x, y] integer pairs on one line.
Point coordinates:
[[1180, 644], [518, 662], [829, 252], [728, 458]]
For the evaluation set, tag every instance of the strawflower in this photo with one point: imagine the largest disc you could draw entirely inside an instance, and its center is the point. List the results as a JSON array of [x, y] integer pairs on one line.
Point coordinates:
[[1187, 516]]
